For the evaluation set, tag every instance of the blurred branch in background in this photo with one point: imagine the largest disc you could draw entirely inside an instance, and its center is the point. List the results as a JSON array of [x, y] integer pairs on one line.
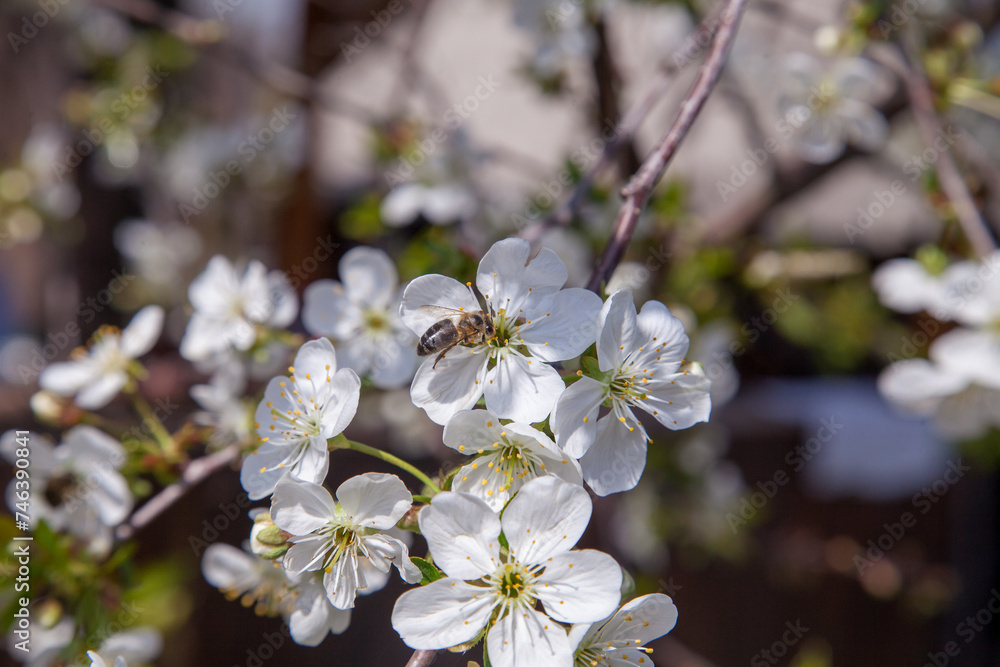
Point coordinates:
[[640, 187]]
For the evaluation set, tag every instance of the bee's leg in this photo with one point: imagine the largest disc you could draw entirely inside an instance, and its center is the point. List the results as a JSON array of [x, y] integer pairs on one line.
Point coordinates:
[[439, 358]]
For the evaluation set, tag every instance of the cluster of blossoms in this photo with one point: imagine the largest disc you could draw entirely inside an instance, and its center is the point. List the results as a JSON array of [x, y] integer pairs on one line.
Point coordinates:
[[501, 532], [959, 383], [499, 376]]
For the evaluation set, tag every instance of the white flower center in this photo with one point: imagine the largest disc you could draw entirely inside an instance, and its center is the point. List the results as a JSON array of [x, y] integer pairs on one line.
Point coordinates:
[[378, 322], [513, 459]]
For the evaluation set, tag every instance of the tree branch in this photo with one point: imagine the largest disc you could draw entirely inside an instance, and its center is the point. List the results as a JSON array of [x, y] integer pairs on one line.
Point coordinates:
[[640, 187], [196, 471], [907, 66], [624, 131], [421, 658]]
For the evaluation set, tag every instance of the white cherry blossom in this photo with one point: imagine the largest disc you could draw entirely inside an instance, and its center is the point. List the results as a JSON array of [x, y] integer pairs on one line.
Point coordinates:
[[361, 314], [535, 321], [76, 487], [438, 204], [138, 646], [620, 640], [495, 590], [225, 411], [98, 374], [959, 385], [640, 365], [833, 108], [230, 308], [337, 536], [273, 591], [297, 416], [507, 456]]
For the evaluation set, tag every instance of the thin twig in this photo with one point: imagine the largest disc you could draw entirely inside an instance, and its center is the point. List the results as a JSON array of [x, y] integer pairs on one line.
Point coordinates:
[[421, 658], [623, 132], [640, 187], [195, 472], [906, 63]]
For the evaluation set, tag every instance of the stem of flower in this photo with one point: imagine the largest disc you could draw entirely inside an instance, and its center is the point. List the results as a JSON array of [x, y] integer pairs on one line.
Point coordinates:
[[153, 423], [340, 442]]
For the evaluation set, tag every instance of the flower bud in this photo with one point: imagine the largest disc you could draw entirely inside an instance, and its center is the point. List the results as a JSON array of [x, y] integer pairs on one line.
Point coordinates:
[[267, 540]]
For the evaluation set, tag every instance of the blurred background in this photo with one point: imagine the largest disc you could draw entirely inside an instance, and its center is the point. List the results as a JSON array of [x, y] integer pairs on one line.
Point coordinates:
[[810, 523]]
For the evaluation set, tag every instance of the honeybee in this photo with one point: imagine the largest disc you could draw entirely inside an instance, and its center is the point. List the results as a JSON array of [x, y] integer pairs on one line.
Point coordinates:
[[454, 328]]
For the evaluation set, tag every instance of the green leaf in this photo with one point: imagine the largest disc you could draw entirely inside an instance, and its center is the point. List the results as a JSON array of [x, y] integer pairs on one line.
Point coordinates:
[[430, 572], [486, 656]]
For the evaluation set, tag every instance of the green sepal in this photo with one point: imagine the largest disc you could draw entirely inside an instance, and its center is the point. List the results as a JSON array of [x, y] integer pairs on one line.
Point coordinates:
[[428, 570]]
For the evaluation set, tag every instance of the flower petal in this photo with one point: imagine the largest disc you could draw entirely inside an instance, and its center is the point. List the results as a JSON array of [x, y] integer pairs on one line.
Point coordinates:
[[341, 402], [68, 377], [374, 500], [462, 533], [313, 618], [616, 330], [301, 508], [384, 550], [100, 392], [662, 335], [433, 290], [142, 332], [455, 384], [574, 419], [395, 363], [522, 389], [616, 460], [468, 431], [679, 401], [580, 586], [905, 286], [509, 280], [368, 275], [525, 637], [445, 613], [644, 619], [562, 325], [326, 309], [918, 385], [545, 518], [262, 470]]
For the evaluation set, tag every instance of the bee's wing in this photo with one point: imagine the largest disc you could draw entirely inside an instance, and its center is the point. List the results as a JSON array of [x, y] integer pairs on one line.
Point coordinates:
[[441, 312]]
